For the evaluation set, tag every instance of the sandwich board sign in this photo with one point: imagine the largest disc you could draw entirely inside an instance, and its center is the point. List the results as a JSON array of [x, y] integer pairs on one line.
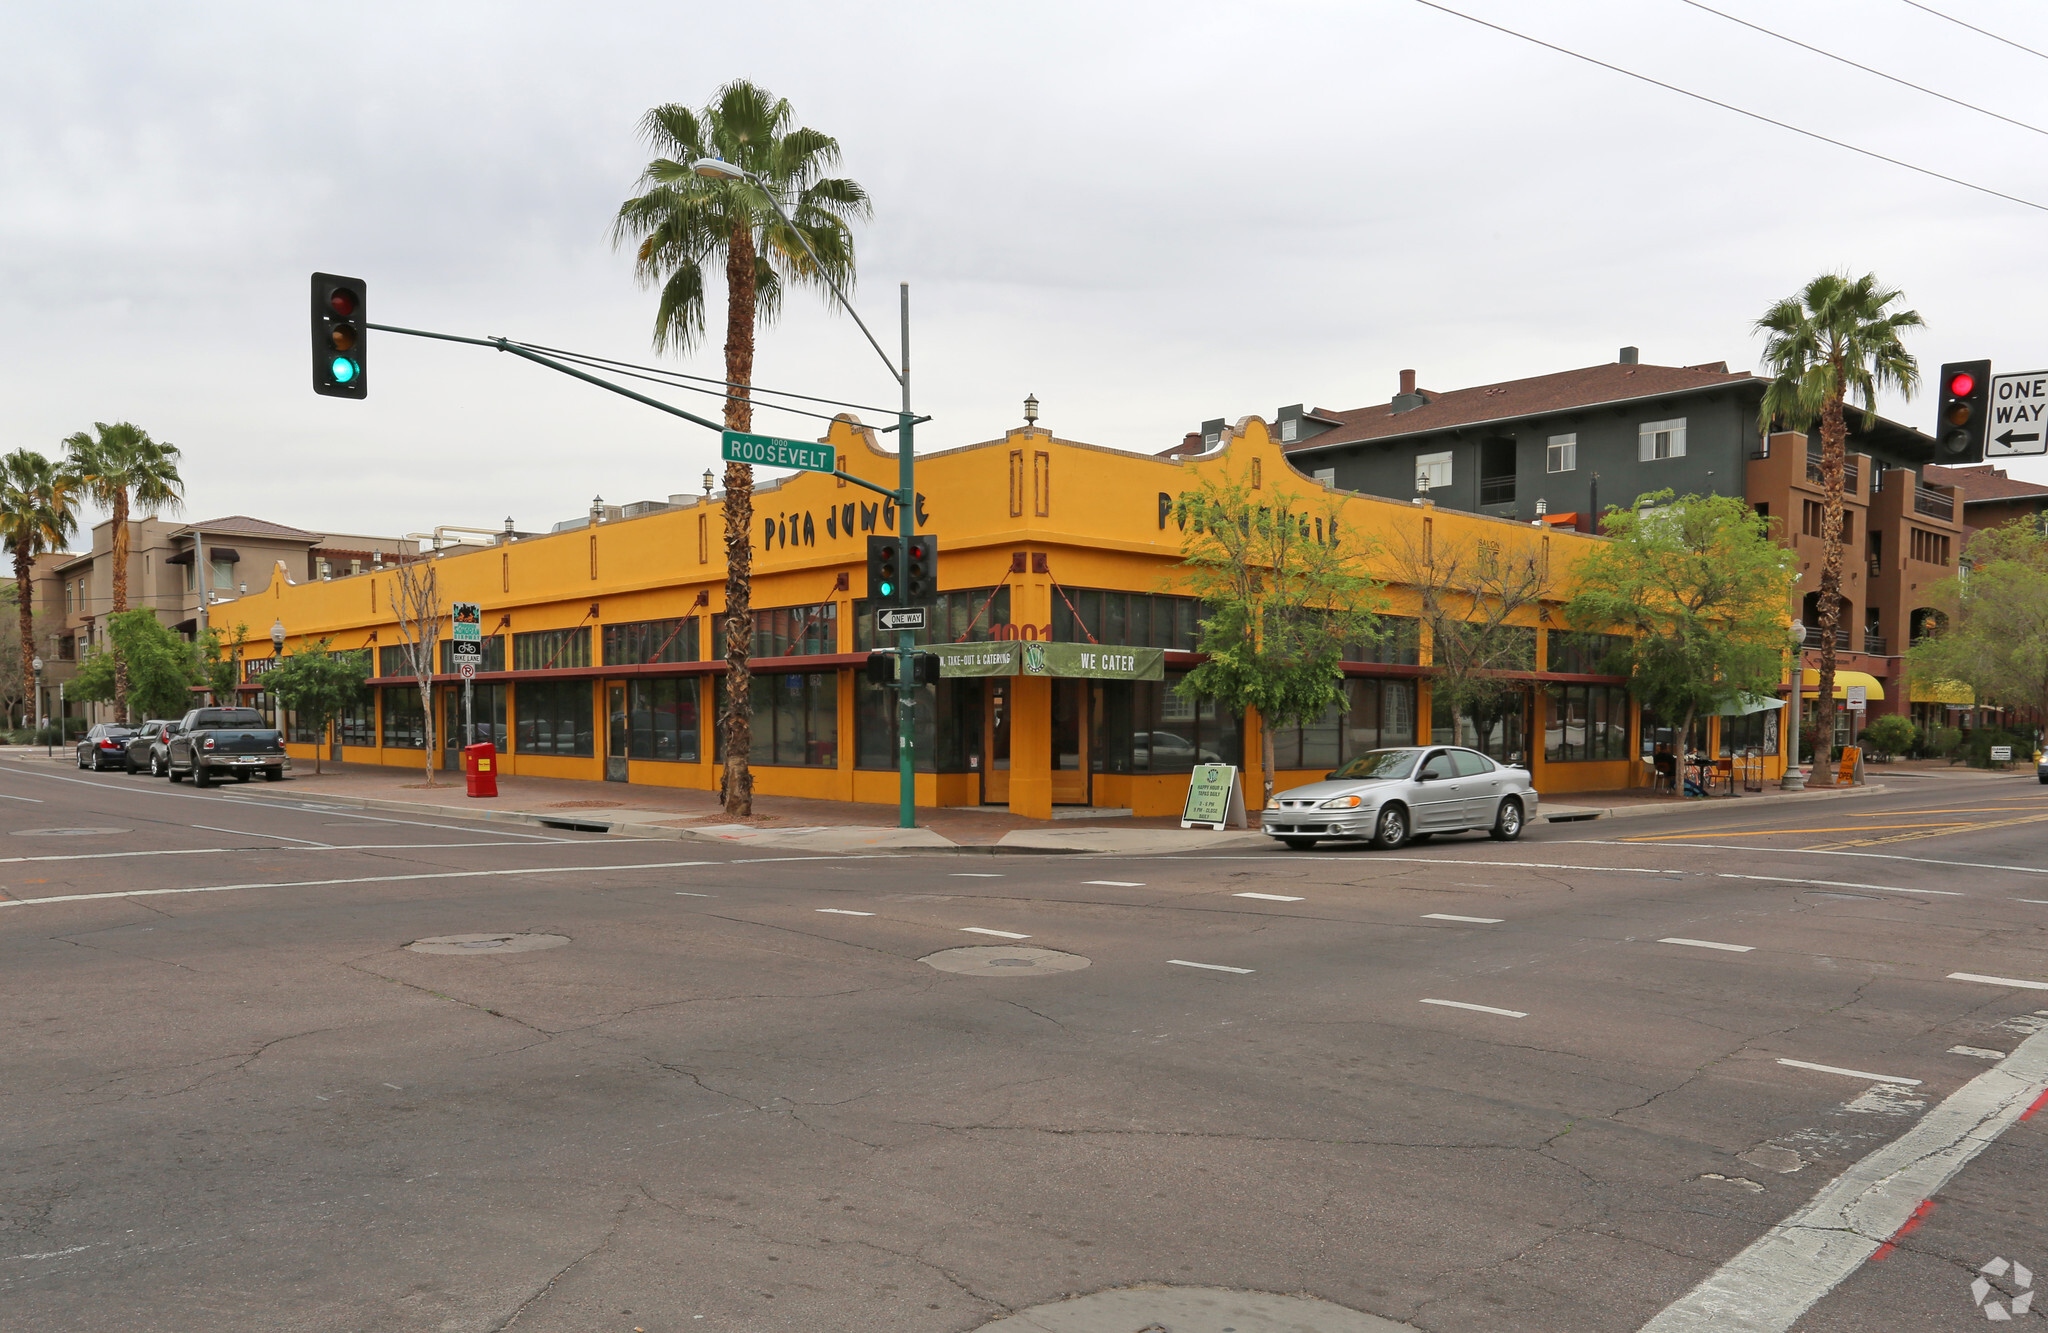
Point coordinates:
[[1215, 798]]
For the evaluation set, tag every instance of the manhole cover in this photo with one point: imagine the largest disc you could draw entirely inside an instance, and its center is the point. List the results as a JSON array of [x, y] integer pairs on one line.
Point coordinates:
[[65, 832], [1003, 961], [1192, 1310], [500, 943]]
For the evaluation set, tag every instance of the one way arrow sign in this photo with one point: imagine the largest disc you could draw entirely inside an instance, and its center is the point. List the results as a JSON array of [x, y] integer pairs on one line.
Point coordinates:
[[907, 617], [2019, 408], [2009, 437]]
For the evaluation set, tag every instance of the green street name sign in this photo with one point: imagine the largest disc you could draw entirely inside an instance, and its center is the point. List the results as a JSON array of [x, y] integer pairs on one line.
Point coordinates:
[[769, 451]]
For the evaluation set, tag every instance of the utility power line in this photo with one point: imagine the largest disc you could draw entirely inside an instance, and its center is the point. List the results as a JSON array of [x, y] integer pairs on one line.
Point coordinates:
[[1903, 83], [1740, 111], [1974, 28]]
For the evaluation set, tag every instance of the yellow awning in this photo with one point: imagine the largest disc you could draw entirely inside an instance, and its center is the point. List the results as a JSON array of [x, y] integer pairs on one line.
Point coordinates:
[[1942, 692], [1873, 690]]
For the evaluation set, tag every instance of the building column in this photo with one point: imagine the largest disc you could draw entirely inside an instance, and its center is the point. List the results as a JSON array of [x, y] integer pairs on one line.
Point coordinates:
[[1031, 704]]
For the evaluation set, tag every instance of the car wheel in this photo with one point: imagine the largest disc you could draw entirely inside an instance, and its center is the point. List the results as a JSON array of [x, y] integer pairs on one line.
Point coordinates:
[[1390, 830], [156, 767], [1507, 825], [200, 777], [241, 775], [1299, 844], [273, 775]]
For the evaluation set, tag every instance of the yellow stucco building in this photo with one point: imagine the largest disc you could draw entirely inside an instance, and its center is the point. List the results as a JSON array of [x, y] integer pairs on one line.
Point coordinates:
[[597, 639]]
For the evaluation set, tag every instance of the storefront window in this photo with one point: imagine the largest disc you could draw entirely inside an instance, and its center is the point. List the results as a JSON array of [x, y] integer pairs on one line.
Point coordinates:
[[1499, 729], [662, 717], [1756, 732], [947, 717], [405, 722], [645, 641], [1581, 654], [1136, 619], [1659, 733], [488, 709], [965, 616], [1373, 713], [1399, 644], [1586, 722], [553, 716], [796, 719], [551, 650], [787, 631], [493, 658], [1144, 727], [358, 721]]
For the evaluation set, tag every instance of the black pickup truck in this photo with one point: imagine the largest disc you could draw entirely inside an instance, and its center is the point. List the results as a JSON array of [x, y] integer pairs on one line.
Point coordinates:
[[213, 743]]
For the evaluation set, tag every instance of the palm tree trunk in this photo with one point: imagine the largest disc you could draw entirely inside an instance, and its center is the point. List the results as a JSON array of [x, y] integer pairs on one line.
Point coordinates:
[[1833, 437], [121, 601], [24, 608], [739, 521]]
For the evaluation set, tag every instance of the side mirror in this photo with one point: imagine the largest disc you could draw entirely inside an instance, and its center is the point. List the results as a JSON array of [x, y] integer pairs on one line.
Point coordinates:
[[1425, 777]]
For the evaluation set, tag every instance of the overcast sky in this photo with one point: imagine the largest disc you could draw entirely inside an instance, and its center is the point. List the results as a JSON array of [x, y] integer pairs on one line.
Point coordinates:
[[1148, 215]]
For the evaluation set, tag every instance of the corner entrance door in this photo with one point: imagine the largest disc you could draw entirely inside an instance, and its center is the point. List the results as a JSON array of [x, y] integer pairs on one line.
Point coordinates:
[[615, 733], [995, 750], [1069, 741]]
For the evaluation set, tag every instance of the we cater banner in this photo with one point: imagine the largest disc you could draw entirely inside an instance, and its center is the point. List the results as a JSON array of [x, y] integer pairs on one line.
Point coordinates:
[[1013, 657]]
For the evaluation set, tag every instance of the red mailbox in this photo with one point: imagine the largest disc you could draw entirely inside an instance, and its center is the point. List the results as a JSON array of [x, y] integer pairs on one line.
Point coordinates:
[[480, 768]]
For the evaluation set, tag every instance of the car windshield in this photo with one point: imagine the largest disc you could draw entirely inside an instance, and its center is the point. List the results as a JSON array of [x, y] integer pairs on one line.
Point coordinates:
[[227, 717], [1379, 764]]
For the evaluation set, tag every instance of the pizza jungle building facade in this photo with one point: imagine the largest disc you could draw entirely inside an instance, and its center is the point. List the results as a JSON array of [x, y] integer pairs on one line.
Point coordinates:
[[1060, 566]]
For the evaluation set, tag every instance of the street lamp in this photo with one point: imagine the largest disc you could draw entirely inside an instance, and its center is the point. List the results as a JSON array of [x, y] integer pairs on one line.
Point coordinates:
[[49, 750], [277, 637], [707, 481], [717, 168], [1030, 410]]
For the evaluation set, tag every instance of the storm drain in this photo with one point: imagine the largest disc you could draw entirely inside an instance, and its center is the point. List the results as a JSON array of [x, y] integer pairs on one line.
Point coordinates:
[[1003, 961], [511, 942], [1192, 1310], [66, 832]]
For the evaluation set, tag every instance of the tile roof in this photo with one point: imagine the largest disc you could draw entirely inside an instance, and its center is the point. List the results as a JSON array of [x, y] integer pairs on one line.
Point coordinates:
[[1538, 395], [1983, 483], [247, 527]]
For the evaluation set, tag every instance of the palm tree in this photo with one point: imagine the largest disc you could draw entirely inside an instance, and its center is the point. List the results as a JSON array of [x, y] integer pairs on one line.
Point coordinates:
[[118, 462], [1839, 336], [38, 504], [683, 223]]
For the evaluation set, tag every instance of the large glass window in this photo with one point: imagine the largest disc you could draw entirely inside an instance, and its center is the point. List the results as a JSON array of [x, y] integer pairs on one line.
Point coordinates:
[[1499, 729], [1586, 722], [645, 641], [662, 718], [493, 658], [553, 716], [963, 616], [405, 722], [392, 660], [358, 721], [1581, 654], [1399, 644], [1145, 727], [1372, 714], [787, 631], [1135, 619], [796, 719], [488, 710], [947, 718], [551, 650], [1756, 733]]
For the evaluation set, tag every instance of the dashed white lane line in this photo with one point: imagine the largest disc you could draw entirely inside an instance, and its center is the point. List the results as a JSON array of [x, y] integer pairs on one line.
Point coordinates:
[[32, 800], [1976, 1052], [1998, 981], [681, 894], [999, 934], [1478, 1008], [1770, 1285], [1469, 920], [843, 911], [1852, 1073], [1709, 944], [1116, 883], [1843, 884], [1211, 967], [2038, 902], [1269, 897], [363, 879], [974, 874]]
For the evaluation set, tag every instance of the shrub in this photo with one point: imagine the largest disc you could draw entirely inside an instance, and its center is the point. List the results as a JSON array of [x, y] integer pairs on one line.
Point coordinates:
[[1940, 743], [1891, 735], [1977, 750]]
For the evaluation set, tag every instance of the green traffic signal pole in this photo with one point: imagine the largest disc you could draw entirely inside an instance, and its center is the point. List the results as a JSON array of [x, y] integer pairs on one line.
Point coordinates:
[[906, 651]]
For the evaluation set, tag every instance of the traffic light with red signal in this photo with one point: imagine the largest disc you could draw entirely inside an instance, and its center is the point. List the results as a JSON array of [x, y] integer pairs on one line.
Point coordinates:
[[1963, 412], [340, 337], [920, 570]]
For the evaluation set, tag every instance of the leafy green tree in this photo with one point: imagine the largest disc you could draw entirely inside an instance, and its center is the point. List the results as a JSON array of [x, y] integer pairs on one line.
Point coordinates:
[[319, 685], [161, 667], [38, 514], [1284, 594], [1837, 338], [1700, 588], [683, 224], [114, 465], [1473, 592], [1996, 637], [220, 661]]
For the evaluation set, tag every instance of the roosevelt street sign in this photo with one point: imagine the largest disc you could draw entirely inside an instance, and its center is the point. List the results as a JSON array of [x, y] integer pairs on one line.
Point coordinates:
[[769, 451], [900, 617]]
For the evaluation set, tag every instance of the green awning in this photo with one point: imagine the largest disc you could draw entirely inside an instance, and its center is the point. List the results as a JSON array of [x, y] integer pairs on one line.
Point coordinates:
[[1095, 661], [1742, 705]]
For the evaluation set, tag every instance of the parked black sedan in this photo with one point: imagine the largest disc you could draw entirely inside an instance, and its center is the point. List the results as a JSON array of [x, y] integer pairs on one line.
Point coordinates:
[[146, 746], [105, 746]]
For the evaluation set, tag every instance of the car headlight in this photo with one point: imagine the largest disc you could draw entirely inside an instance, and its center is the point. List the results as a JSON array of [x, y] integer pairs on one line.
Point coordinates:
[[1342, 803]]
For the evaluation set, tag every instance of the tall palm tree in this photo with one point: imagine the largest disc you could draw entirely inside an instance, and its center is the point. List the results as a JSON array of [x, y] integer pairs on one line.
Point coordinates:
[[683, 223], [1839, 336], [112, 465], [38, 512]]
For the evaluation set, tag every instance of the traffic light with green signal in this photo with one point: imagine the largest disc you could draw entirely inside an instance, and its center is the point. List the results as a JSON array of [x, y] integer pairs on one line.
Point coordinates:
[[340, 337], [885, 572]]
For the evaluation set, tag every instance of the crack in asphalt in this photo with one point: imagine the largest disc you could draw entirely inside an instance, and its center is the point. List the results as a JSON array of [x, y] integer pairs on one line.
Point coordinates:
[[618, 1221]]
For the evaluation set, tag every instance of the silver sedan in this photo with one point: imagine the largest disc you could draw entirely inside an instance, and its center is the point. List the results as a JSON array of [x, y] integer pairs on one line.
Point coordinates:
[[1390, 796]]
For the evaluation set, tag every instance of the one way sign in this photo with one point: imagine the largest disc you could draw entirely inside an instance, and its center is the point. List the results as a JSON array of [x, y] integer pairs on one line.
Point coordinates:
[[901, 617], [2019, 415]]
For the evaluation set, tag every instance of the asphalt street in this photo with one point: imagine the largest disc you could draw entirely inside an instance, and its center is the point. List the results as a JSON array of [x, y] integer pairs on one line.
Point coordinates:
[[1738, 1065]]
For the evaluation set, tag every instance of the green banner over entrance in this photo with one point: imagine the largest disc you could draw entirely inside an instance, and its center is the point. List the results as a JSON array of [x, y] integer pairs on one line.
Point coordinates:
[[1014, 657], [772, 451]]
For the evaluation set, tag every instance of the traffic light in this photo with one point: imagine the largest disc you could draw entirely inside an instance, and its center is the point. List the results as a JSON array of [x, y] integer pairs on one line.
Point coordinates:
[[927, 670], [885, 577], [1963, 413], [920, 570], [340, 337], [881, 668]]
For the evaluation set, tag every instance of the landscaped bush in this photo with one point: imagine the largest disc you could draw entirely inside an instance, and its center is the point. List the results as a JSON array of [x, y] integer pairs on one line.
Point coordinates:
[[1891, 735], [1940, 743], [1977, 750]]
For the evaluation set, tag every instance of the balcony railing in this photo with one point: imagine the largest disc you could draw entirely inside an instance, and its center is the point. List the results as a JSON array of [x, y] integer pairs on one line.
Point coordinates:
[[1496, 490], [1873, 644], [1816, 639], [1851, 474], [1933, 503]]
